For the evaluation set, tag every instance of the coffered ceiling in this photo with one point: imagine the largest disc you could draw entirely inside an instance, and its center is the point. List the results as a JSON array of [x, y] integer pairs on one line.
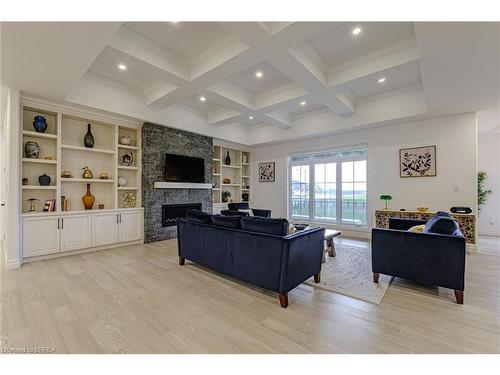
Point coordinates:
[[248, 75]]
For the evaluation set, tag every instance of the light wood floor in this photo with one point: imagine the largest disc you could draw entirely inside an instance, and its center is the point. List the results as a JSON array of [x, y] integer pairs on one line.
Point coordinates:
[[137, 299]]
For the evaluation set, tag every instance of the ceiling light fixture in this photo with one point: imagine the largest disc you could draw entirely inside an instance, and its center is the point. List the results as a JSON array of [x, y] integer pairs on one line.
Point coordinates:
[[303, 103], [356, 31], [203, 99], [250, 117], [122, 66], [381, 80], [258, 74]]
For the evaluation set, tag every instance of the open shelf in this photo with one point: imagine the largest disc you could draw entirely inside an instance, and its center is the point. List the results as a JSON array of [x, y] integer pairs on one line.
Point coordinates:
[[129, 168], [39, 161], [87, 180], [231, 166], [127, 147], [236, 185], [38, 187], [87, 149], [127, 188], [33, 134]]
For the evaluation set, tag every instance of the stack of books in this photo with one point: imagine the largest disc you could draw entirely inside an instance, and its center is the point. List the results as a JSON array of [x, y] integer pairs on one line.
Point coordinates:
[[50, 205], [64, 203]]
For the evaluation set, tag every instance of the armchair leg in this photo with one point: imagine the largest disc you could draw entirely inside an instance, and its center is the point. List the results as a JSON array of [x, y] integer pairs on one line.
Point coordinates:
[[459, 296], [317, 278], [375, 277], [284, 300], [182, 261]]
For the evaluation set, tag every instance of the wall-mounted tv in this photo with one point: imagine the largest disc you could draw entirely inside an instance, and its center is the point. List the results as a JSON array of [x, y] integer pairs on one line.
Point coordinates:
[[179, 168]]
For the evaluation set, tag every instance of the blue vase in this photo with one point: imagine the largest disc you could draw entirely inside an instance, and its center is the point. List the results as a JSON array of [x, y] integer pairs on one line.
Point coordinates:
[[44, 180], [40, 124]]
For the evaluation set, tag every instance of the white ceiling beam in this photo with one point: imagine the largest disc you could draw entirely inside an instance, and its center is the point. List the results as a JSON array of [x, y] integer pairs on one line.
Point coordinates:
[[269, 100], [223, 116], [380, 65], [280, 119]]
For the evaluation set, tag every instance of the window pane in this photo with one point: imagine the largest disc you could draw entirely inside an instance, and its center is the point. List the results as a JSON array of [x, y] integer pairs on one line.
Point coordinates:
[[347, 171], [360, 203], [360, 171], [300, 191], [324, 192]]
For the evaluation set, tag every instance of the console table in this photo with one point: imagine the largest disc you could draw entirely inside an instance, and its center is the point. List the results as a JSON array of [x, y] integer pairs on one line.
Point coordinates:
[[466, 222]]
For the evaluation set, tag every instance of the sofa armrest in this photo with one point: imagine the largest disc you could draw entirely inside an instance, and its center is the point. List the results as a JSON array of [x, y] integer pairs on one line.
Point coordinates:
[[302, 258], [261, 212], [428, 258], [404, 224]]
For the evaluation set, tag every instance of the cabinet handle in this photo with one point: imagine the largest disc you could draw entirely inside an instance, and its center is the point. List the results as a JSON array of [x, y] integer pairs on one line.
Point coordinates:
[[120, 218], [62, 223], [58, 223], [117, 219]]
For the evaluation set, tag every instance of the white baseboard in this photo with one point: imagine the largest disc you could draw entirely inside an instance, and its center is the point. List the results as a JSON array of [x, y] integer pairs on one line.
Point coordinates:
[[12, 263]]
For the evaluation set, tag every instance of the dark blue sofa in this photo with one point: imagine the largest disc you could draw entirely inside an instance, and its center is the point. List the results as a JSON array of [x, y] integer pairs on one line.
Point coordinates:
[[256, 250], [433, 257], [234, 210]]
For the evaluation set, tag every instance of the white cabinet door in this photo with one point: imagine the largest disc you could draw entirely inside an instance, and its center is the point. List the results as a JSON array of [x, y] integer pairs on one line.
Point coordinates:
[[130, 226], [41, 235], [76, 232], [104, 229]]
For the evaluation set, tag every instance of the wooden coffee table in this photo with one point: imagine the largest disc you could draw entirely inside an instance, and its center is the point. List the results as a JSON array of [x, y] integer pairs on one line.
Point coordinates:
[[330, 246]]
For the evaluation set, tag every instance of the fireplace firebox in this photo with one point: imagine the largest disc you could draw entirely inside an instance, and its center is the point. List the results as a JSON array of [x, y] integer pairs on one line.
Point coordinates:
[[171, 213]]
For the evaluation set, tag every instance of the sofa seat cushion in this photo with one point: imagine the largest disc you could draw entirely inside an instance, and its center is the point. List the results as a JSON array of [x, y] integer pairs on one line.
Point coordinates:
[[277, 227], [227, 221], [441, 225], [197, 216]]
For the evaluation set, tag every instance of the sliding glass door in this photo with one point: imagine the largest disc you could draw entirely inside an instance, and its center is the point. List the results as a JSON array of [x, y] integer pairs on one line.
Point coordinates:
[[329, 187]]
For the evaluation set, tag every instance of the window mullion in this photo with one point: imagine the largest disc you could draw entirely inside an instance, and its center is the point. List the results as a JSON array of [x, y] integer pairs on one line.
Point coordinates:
[[338, 218], [311, 192]]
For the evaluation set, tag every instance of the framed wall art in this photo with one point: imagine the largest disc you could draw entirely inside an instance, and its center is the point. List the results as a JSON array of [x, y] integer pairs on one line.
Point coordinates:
[[266, 172], [417, 162]]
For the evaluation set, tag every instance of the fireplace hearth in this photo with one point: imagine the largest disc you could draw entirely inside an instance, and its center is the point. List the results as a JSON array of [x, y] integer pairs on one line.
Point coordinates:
[[171, 213]]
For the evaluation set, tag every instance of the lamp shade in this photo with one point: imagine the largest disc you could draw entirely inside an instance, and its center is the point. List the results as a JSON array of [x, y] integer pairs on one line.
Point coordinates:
[[385, 197]]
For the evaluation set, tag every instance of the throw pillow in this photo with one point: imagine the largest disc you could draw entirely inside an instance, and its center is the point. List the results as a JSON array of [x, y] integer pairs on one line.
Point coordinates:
[[417, 228], [247, 210], [291, 229], [197, 216], [226, 221], [443, 225]]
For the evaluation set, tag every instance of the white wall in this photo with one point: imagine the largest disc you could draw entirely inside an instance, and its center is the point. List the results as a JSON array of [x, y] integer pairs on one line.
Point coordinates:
[[488, 161], [454, 136]]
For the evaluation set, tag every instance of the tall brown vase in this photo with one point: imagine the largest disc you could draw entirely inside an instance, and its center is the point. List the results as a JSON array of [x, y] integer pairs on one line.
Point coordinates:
[[88, 199]]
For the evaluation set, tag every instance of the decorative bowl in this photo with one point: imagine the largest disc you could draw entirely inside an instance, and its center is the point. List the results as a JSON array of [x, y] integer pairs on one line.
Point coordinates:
[[125, 140], [422, 209]]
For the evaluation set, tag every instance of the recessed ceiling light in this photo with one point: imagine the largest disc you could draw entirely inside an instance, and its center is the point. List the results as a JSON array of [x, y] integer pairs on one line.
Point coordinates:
[[122, 66], [258, 74], [303, 103], [356, 31], [381, 80], [203, 99], [250, 117]]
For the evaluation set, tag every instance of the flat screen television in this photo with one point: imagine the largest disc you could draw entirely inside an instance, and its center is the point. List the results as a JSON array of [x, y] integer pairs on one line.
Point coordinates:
[[180, 168]]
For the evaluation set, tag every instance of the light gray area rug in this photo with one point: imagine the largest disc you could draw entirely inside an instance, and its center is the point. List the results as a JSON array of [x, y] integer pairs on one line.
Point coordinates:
[[350, 273]]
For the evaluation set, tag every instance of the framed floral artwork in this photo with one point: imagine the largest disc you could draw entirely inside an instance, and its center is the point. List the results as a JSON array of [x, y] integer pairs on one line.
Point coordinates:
[[417, 162], [266, 172]]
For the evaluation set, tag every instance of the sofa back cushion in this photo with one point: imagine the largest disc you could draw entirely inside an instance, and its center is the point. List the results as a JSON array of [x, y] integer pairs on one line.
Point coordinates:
[[238, 206], [227, 221], [277, 227], [441, 225], [197, 216]]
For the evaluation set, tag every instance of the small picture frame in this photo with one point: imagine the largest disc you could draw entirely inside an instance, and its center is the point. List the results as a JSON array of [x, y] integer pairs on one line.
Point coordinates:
[[417, 162], [267, 172]]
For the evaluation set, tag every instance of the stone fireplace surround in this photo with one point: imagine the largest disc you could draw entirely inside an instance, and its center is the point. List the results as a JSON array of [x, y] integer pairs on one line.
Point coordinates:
[[158, 140]]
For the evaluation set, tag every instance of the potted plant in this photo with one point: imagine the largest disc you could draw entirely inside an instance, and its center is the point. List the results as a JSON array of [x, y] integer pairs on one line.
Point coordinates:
[[385, 198], [482, 193]]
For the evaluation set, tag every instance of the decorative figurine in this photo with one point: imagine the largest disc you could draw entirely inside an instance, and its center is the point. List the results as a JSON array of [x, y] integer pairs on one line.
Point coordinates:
[[101, 206], [122, 181], [88, 199], [88, 140], [125, 140], [128, 199], [225, 196], [104, 176], [32, 204], [40, 124], [25, 181], [44, 180], [32, 150], [87, 173], [128, 158], [226, 181], [66, 174]]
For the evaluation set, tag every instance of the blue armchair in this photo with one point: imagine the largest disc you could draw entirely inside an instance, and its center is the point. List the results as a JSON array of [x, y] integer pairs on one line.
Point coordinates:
[[234, 210], [433, 257]]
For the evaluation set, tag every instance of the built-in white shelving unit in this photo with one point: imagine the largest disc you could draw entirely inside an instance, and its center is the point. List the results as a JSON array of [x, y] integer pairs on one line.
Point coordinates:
[[61, 148], [238, 173]]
